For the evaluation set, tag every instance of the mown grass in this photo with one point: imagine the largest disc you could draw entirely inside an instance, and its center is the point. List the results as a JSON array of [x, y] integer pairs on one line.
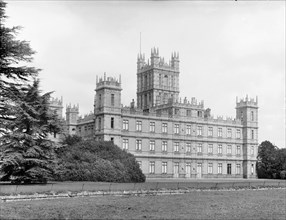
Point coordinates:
[[244, 204]]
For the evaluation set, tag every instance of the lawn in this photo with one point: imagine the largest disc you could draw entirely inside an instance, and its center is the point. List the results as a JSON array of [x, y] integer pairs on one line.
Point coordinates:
[[237, 204]]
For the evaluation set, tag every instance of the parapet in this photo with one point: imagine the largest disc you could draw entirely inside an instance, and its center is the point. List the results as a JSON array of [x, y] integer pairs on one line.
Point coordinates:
[[56, 102], [110, 82], [74, 108], [247, 102], [157, 61]]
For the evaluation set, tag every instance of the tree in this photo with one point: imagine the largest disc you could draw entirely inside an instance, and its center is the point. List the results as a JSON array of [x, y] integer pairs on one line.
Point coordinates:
[[271, 160], [25, 119]]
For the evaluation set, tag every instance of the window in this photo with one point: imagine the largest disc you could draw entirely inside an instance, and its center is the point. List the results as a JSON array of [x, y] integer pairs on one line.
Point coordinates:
[[152, 126], [210, 149], [219, 168], [228, 149], [200, 131], [125, 125], [188, 131], [99, 124], [189, 112], [164, 146], [176, 128], [238, 150], [210, 131], [252, 169], [200, 114], [138, 125], [99, 100], [229, 168], [152, 145], [188, 148], [219, 133], [152, 167], [199, 150], [164, 167], [252, 134], [112, 99], [219, 149], [252, 150], [125, 144], [176, 146], [112, 139], [210, 168], [238, 134], [229, 132], [112, 122], [164, 128], [177, 111], [238, 168], [140, 164], [252, 116], [138, 144]]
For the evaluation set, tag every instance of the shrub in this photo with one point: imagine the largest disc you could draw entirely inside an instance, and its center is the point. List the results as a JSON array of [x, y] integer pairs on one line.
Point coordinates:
[[90, 160]]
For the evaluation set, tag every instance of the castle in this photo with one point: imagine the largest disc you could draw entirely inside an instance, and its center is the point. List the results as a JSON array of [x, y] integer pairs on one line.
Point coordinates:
[[170, 137]]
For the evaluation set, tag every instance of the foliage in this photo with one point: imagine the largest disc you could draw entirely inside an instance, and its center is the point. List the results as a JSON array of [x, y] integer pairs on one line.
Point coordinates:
[[90, 160], [25, 119], [271, 161], [71, 140]]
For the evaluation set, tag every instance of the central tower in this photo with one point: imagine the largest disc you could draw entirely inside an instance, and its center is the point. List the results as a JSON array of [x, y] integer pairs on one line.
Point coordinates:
[[157, 81]]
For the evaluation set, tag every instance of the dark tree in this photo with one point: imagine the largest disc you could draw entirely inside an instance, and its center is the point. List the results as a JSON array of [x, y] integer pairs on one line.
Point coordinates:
[[25, 119], [271, 160]]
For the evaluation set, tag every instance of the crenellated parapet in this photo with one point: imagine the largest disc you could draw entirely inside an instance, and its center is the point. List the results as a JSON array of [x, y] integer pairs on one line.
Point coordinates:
[[72, 108], [249, 102], [157, 61], [86, 118], [56, 101], [109, 82]]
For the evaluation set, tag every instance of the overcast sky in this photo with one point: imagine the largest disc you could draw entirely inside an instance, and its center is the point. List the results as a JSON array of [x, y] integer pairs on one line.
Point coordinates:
[[227, 49]]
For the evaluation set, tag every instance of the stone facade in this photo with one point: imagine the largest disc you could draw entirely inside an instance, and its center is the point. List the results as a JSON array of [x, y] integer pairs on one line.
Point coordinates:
[[171, 137]]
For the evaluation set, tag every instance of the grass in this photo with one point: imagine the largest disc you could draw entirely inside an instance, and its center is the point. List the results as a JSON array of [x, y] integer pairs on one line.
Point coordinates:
[[243, 204]]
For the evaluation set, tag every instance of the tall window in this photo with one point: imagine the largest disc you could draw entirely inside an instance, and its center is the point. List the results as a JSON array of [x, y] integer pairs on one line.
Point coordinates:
[[229, 133], [99, 123], [125, 144], [229, 168], [188, 131], [188, 147], [152, 167], [152, 145], [252, 150], [152, 126], [164, 146], [252, 116], [199, 148], [210, 131], [252, 169], [238, 150], [164, 128], [164, 167], [112, 122], [238, 168], [238, 134], [112, 99], [200, 131], [176, 146], [138, 144], [219, 132], [99, 100], [219, 149], [176, 128], [252, 134], [219, 168], [138, 125], [228, 149], [210, 149], [125, 125], [210, 168], [140, 164]]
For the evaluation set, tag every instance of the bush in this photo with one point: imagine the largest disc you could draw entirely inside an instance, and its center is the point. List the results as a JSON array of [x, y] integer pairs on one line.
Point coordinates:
[[96, 161], [283, 174]]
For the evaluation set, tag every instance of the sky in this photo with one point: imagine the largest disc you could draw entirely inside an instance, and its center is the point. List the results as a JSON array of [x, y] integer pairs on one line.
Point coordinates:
[[227, 49]]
